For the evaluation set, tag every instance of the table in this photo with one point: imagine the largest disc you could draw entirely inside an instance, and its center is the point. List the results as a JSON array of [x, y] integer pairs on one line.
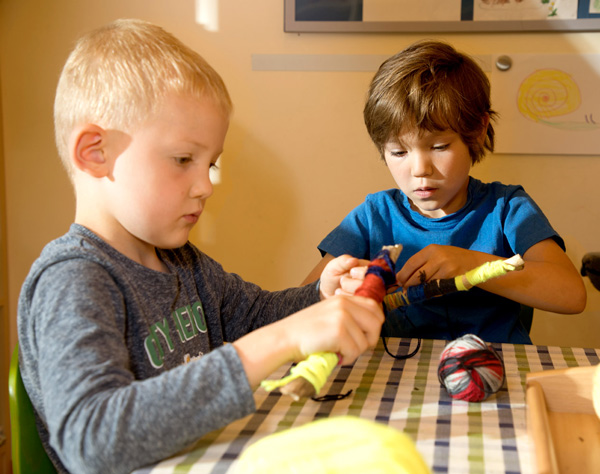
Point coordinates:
[[452, 435]]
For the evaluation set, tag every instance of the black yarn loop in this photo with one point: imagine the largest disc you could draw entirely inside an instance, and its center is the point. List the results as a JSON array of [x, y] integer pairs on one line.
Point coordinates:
[[402, 357], [333, 396]]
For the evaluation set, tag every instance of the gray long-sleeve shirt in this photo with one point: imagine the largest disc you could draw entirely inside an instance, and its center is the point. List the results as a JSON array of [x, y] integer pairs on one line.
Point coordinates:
[[104, 343]]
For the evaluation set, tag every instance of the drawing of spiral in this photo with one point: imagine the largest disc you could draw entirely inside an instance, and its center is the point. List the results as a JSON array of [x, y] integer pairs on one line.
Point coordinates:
[[547, 94]]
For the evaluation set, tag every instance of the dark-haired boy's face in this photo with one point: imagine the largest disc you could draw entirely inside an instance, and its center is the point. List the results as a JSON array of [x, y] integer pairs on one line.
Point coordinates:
[[432, 169]]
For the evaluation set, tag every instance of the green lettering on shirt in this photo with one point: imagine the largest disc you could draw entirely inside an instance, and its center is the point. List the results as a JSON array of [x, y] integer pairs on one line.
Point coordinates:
[[154, 350], [198, 314], [183, 320]]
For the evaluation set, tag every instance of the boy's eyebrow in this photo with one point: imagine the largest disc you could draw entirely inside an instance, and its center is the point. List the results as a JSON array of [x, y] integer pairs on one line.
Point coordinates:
[[198, 144]]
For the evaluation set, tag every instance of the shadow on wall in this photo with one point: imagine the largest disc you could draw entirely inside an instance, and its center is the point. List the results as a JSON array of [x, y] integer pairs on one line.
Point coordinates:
[[250, 215]]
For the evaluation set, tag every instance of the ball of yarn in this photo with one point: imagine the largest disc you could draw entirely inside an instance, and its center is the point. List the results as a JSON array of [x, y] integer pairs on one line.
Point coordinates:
[[336, 445], [470, 369]]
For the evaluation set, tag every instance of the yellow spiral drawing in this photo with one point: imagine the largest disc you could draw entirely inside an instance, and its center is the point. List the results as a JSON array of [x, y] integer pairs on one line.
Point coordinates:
[[548, 93]]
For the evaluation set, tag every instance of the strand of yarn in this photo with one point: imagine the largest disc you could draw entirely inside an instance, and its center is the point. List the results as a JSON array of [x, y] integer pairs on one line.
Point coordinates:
[[444, 286], [470, 370]]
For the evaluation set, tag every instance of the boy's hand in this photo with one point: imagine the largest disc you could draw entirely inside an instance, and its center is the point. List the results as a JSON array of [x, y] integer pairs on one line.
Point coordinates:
[[343, 274], [346, 325], [341, 324], [351, 282], [439, 261]]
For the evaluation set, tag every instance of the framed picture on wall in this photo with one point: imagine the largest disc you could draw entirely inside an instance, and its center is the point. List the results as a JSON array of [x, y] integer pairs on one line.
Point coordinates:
[[330, 16]]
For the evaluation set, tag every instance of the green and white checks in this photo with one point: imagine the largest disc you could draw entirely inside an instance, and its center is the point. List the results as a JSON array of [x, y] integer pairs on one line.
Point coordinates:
[[453, 436]]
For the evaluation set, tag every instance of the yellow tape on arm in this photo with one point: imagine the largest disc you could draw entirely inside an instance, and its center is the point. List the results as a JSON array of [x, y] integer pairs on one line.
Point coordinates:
[[315, 369]]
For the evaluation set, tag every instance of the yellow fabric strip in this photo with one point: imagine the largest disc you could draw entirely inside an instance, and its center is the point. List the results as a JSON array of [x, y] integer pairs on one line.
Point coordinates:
[[342, 444], [315, 369], [486, 272]]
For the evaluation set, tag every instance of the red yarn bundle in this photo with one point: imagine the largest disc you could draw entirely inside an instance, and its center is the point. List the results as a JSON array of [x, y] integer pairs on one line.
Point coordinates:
[[470, 370], [380, 274]]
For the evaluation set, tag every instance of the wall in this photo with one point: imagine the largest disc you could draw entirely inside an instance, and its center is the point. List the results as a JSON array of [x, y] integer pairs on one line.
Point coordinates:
[[297, 158], [4, 325]]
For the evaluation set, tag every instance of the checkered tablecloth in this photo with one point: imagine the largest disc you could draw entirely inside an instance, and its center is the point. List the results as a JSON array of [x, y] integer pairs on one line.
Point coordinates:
[[452, 436]]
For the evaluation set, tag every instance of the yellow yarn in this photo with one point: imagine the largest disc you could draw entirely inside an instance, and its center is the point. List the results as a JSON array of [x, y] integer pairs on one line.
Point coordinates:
[[486, 272], [345, 445], [315, 369]]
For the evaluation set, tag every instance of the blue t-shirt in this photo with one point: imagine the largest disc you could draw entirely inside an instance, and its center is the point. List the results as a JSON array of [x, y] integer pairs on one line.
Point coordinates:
[[497, 219]]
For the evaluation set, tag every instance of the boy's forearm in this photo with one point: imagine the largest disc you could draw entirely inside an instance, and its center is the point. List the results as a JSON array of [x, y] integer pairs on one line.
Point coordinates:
[[262, 352], [543, 285], [549, 281]]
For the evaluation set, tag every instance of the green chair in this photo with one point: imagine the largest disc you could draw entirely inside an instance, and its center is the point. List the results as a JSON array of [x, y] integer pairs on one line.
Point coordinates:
[[28, 454]]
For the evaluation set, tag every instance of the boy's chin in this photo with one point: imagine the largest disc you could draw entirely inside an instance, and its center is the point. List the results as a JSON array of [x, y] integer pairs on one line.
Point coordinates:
[[173, 243]]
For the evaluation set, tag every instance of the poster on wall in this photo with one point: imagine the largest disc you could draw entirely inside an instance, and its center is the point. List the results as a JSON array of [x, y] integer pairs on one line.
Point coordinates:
[[440, 15], [547, 103], [457, 10]]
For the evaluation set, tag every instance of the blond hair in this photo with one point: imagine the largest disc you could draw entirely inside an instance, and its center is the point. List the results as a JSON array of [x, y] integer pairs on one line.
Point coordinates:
[[117, 75], [430, 86]]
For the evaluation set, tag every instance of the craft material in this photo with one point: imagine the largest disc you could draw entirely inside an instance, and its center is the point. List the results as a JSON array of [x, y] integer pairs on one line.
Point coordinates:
[[379, 278], [343, 444], [470, 369], [307, 377], [433, 288]]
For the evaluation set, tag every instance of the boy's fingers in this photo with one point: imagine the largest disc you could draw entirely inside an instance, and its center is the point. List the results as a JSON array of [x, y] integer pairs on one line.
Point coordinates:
[[369, 315], [344, 264], [358, 272], [353, 344], [349, 285]]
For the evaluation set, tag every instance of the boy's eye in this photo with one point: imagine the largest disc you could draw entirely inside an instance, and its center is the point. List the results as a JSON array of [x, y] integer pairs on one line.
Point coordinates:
[[441, 147], [182, 160], [397, 153]]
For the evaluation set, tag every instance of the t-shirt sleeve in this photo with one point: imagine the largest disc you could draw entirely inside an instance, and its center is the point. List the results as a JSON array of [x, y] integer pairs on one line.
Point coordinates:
[[524, 222], [351, 236]]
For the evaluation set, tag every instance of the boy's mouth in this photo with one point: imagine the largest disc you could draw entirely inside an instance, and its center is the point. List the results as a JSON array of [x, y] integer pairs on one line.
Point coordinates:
[[192, 218], [424, 192]]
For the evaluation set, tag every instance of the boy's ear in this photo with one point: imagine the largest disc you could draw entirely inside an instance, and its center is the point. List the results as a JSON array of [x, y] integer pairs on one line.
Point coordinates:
[[89, 150], [484, 128]]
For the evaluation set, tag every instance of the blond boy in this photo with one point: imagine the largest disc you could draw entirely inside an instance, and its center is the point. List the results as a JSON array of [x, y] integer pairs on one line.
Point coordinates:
[[112, 311]]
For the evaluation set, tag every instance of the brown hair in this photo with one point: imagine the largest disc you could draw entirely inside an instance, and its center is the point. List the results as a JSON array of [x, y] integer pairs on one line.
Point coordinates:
[[430, 86]]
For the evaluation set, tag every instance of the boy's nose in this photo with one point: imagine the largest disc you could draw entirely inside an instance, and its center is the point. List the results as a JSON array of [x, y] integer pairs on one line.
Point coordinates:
[[421, 165], [202, 186]]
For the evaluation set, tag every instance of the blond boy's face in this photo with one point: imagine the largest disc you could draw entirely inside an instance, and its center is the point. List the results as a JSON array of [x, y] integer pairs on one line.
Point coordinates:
[[432, 169], [160, 183]]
